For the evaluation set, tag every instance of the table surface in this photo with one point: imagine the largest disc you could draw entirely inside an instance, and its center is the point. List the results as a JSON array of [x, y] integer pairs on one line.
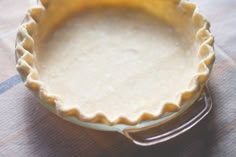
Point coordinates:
[[28, 129]]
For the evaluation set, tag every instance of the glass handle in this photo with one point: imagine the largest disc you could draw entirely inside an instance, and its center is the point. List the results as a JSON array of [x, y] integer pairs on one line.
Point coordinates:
[[175, 127]]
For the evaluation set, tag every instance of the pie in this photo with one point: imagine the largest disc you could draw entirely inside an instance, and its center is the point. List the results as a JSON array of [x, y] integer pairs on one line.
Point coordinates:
[[115, 61]]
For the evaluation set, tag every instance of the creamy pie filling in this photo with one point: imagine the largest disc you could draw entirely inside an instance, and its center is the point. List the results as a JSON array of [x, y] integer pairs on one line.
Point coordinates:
[[120, 62]]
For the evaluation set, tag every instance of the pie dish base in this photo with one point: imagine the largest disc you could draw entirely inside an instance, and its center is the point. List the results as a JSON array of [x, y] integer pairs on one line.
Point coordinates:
[[156, 131]]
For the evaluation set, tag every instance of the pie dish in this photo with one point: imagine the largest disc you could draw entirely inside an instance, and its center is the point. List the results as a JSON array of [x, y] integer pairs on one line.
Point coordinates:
[[115, 61]]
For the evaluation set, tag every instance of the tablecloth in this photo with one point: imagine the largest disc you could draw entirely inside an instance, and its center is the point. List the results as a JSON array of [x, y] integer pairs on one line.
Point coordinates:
[[29, 130]]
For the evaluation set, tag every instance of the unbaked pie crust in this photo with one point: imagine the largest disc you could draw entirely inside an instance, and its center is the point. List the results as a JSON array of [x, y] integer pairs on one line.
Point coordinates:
[[115, 61]]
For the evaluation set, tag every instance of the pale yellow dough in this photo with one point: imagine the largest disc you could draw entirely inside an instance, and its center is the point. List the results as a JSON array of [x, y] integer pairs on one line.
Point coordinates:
[[120, 62]]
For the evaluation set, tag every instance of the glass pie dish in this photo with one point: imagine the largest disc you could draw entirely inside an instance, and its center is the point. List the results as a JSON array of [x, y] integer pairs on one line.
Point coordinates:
[[93, 88], [153, 132]]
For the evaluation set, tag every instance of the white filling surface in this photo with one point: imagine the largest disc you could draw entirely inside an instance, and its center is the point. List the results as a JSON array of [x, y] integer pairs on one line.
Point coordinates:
[[115, 61]]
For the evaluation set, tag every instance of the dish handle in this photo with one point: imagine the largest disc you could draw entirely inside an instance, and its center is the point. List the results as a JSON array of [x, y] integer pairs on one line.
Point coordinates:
[[173, 128]]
